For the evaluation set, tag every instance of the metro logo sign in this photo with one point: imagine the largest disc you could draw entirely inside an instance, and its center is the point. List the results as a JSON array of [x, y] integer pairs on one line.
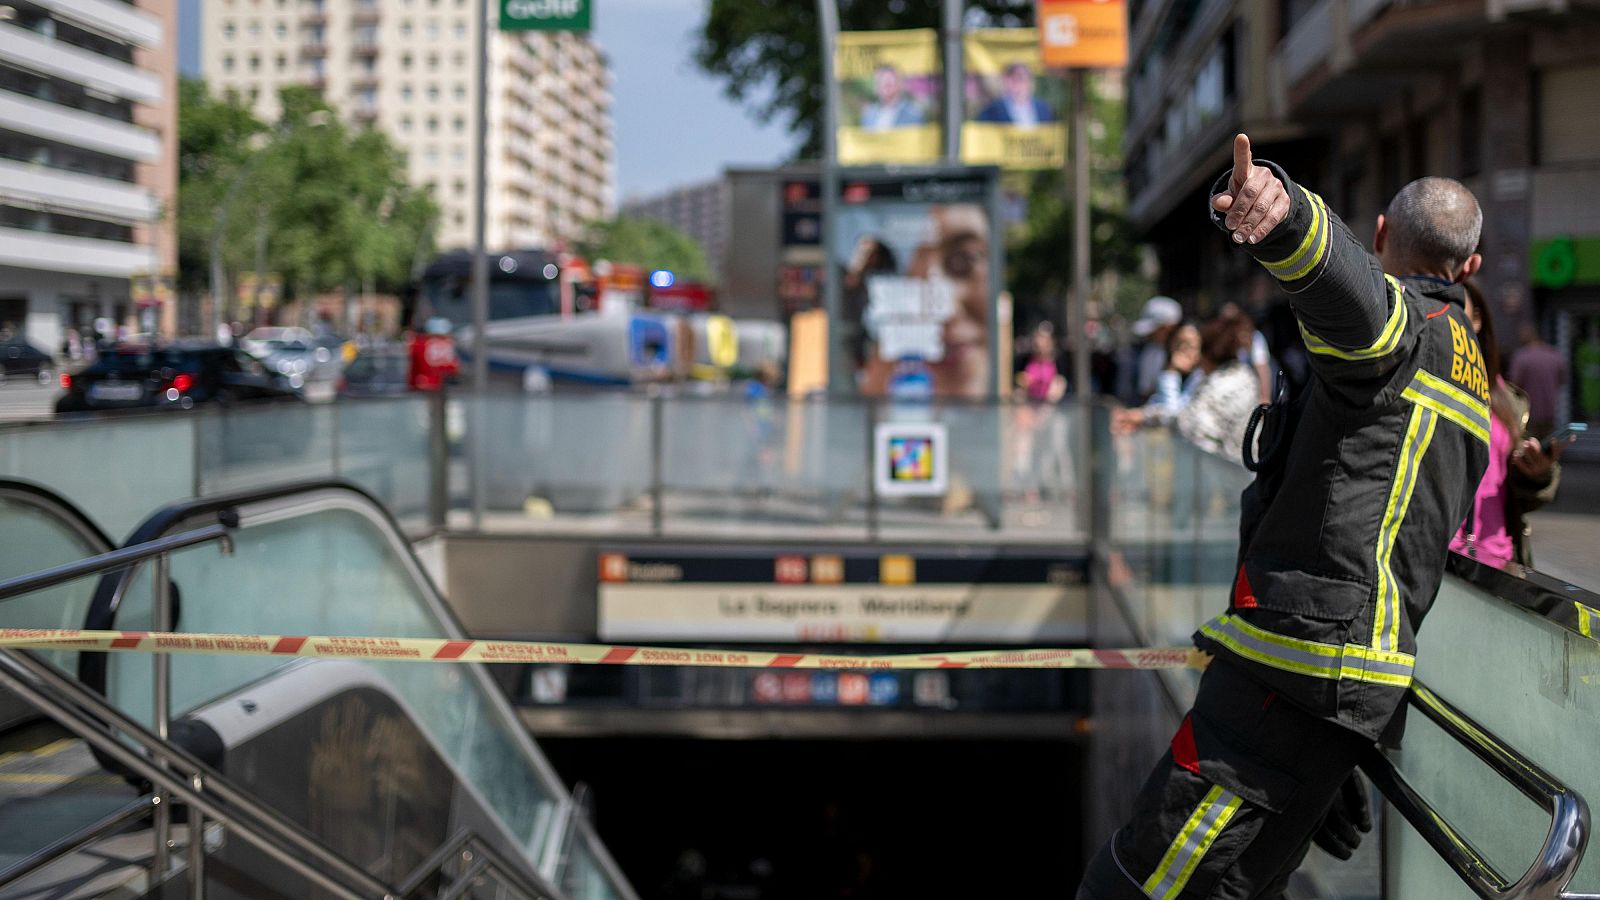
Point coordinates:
[[545, 15], [1083, 34]]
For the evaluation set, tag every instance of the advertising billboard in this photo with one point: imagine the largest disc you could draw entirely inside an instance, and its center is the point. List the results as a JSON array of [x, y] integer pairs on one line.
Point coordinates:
[[889, 96], [1015, 114]]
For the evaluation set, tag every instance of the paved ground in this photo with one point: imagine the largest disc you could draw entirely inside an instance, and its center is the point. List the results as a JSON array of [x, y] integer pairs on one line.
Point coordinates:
[[22, 400]]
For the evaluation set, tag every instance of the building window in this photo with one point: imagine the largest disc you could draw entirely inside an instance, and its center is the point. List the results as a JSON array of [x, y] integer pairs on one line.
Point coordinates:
[[458, 154], [405, 62], [228, 30], [406, 93], [461, 28], [433, 30], [254, 29], [282, 62], [460, 93], [432, 153], [227, 63], [460, 186], [433, 62], [281, 31], [255, 63], [405, 124], [1566, 129], [460, 125], [461, 60], [405, 29], [433, 93], [433, 126]]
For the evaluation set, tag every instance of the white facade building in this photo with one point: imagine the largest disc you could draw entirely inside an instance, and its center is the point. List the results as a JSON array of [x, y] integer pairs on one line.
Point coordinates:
[[88, 135], [407, 67]]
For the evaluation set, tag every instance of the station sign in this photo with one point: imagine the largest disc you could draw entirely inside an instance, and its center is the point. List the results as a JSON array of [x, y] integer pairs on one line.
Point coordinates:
[[1083, 34], [793, 596]]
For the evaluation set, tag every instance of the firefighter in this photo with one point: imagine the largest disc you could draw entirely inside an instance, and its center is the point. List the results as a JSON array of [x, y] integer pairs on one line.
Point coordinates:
[[1360, 483]]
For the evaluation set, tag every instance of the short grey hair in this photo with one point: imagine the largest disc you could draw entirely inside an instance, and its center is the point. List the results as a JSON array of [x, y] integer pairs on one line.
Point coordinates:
[[1434, 221]]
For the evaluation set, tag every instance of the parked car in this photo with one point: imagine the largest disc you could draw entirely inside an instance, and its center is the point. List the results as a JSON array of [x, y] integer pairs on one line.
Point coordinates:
[[376, 372], [20, 359], [169, 376], [263, 341]]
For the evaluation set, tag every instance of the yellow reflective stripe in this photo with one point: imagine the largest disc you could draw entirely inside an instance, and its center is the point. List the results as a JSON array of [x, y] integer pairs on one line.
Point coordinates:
[[1350, 662], [1478, 423], [1387, 340], [1587, 618], [1189, 847], [1294, 266], [1419, 433], [1477, 429]]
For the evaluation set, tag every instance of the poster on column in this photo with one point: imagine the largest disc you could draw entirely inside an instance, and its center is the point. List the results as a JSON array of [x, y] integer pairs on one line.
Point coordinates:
[[889, 96], [915, 261], [1014, 112]]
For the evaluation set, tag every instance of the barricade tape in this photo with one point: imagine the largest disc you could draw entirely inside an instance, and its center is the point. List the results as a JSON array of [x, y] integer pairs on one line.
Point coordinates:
[[489, 651]]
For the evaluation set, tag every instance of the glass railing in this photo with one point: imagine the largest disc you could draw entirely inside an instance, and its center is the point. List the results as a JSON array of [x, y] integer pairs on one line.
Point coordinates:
[[327, 561]]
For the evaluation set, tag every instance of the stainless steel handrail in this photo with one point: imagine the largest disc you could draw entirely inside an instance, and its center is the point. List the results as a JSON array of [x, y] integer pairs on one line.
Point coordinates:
[[1562, 851], [113, 560], [176, 773]]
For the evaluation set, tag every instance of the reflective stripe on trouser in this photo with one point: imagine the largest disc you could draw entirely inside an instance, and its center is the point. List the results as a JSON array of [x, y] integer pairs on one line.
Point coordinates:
[[1191, 844], [1311, 658]]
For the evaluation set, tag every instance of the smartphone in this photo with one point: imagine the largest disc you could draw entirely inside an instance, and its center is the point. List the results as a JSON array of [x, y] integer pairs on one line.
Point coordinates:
[[1561, 435]]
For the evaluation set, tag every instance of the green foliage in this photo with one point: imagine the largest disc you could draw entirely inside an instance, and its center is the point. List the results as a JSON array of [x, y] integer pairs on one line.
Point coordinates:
[[770, 53], [334, 203], [632, 240]]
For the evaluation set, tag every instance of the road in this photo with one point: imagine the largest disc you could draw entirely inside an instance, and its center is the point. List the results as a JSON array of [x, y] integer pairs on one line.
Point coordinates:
[[22, 400], [1566, 533]]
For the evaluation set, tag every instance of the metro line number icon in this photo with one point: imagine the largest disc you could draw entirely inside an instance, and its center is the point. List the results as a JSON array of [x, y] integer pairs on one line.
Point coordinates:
[[545, 15]]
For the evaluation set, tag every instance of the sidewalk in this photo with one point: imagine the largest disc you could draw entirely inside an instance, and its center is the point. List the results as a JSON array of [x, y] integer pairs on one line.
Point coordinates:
[[1566, 534]]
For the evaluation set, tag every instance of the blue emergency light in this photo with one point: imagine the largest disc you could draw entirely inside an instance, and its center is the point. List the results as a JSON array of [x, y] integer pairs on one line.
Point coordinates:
[[662, 278]]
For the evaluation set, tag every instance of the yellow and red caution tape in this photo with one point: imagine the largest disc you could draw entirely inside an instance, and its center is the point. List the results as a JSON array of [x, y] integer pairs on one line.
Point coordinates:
[[492, 651]]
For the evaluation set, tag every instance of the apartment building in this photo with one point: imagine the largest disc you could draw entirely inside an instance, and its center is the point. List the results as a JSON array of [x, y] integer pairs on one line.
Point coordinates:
[[698, 210], [1359, 97], [408, 67], [88, 178]]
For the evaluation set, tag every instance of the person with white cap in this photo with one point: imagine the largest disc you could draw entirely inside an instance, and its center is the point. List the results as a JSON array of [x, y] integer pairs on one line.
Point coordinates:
[[1155, 324]]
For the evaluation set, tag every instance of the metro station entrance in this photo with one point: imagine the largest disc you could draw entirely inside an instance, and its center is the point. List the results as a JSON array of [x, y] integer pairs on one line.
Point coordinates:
[[817, 820]]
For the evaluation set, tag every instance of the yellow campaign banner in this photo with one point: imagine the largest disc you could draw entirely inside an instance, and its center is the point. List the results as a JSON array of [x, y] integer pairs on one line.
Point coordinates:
[[889, 96], [1083, 34], [1013, 116]]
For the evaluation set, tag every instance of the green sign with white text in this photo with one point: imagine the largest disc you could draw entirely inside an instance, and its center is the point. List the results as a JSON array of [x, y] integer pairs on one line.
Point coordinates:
[[545, 15]]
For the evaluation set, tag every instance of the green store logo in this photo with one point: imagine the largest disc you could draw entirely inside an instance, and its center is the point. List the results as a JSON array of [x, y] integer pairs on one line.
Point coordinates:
[[1556, 265]]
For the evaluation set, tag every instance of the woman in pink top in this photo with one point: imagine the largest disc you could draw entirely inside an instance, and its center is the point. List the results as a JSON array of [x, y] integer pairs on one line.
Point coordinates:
[[1521, 477]]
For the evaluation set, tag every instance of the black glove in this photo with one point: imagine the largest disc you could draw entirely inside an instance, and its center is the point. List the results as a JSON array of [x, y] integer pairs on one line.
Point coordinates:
[[1347, 820]]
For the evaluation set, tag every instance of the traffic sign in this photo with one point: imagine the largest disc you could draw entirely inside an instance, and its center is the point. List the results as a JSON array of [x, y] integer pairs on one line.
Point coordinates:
[[1083, 34], [546, 15]]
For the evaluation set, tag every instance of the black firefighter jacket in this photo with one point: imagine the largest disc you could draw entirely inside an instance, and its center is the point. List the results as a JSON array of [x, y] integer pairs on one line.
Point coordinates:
[[1364, 478]]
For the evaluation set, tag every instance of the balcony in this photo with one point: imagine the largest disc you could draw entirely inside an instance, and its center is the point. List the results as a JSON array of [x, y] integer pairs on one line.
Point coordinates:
[[365, 15], [362, 80], [80, 256], [119, 20], [74, 193], [313, 49], [76, 128], [364, 47], [313, 17], [54, 58]]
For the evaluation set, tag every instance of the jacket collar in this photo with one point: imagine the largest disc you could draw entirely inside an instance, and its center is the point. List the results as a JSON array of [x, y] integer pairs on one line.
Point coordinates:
[[1437, 288]]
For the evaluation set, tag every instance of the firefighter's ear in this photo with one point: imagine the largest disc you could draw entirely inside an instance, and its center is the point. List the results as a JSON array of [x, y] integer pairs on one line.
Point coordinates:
[[1470, 267], [1381, 235]]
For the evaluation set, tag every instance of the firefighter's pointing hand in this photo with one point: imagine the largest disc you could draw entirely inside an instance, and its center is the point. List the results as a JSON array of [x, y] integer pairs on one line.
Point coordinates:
[[1255, 202]]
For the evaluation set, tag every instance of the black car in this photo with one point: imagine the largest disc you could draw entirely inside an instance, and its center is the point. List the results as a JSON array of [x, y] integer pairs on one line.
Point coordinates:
[[169, 376], [20, 359]]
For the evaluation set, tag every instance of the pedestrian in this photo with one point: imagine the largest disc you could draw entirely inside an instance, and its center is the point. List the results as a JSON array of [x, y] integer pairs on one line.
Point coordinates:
[[1521, 477], [1215, 418], [1174, 389], [1155, 324], [1539, 370], [1343, 536]]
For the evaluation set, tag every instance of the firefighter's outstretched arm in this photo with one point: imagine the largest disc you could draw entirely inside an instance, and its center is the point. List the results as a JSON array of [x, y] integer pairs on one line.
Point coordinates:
[[1351, 314]]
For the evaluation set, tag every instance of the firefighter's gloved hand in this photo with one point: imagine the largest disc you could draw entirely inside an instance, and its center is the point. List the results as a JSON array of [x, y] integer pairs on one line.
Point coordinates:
[[1347, 820]]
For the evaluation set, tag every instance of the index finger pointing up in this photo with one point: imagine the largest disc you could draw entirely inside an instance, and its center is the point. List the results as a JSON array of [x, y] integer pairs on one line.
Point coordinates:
[[1241, 160]]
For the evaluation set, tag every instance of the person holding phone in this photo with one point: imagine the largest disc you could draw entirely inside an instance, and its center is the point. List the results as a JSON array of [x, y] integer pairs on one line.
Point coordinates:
[[1523, 472]]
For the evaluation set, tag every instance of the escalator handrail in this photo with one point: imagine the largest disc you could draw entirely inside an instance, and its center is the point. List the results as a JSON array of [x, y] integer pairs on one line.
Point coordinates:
[[102, 613], [110, 562], [1558, 857], [43, 498]]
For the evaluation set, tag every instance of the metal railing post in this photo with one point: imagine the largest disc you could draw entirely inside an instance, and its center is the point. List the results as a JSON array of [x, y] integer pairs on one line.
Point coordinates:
[[438, 461], [872, 469], [197, 851], [161, 620], [657, 427]]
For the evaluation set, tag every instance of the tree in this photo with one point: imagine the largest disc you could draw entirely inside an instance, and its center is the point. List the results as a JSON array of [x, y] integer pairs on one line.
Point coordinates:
[[649, 243], [333, 205], [771, 54]]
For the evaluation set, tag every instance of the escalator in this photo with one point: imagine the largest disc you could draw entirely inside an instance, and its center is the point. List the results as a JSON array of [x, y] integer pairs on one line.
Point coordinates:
[[412, 780]]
